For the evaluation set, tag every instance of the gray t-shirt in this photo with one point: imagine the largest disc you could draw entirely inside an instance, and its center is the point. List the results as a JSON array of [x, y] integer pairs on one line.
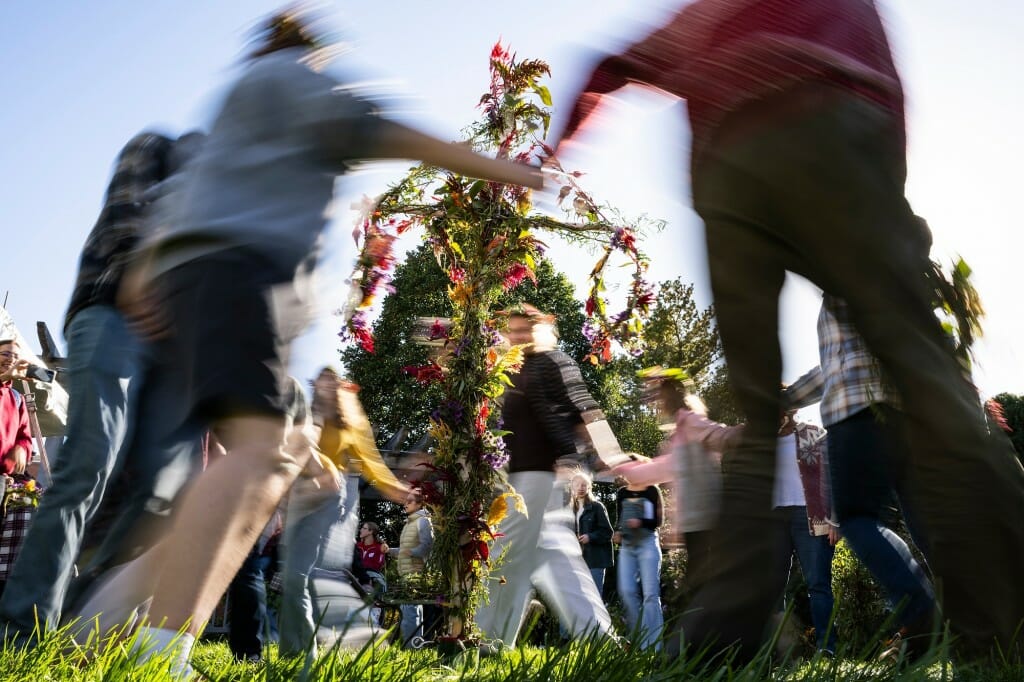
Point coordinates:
[[265, 175]]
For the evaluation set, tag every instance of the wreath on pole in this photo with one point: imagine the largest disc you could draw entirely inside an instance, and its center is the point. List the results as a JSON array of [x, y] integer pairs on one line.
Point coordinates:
[[484, 236]]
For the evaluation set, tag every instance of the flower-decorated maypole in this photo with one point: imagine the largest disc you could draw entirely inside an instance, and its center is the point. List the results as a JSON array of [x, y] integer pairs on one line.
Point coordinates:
[[483, 235]]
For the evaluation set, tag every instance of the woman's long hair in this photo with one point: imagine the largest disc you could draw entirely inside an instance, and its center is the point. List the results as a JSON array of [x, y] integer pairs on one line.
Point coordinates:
[[589, 497]]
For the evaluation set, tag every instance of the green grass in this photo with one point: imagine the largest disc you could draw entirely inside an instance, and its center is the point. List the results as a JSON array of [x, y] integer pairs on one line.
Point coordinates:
[[55, 660]]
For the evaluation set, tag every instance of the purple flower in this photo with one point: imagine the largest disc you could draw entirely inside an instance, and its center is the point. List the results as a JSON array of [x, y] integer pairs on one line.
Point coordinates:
[[493, 450], [461, 346]]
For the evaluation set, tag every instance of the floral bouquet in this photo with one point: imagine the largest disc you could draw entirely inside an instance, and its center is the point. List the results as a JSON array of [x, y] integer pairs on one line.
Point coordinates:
[[21, 493]]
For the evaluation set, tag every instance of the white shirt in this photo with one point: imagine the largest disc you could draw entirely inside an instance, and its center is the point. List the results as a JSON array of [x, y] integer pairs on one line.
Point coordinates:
[[789, 491]]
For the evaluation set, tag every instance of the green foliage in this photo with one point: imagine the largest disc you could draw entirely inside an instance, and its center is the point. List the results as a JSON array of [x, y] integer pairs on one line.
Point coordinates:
[[861, 610], [680, 334]]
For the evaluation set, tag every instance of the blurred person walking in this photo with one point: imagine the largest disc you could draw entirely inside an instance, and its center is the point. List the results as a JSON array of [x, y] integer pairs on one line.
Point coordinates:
[[544, 409], [232, 265], [114, 419], [346, 439], [868, 464], [798, 163]]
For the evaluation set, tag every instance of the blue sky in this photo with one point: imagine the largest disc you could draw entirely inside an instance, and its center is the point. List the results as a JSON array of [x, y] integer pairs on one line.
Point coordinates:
[[81, 78]]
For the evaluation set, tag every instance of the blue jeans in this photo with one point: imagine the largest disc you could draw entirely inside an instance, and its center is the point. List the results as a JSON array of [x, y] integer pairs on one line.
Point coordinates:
[[340, 546], [412, 622], [815, 556], [105, 364], [639, 572], [865, 459], [598, 575], [303, 542], [247, 608]]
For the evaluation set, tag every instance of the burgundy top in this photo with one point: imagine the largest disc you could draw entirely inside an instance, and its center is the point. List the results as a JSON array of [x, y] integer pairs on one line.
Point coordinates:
[[722, 54], [372, 555]]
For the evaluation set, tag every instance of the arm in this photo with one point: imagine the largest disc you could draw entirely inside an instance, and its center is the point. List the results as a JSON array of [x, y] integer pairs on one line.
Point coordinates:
[[805, 391], [659, 507], [358, 437], [617, 535], [696, 428], [651, 62], [397, 141], [426, 533], [344, 128], [658, 470], [602, 530]]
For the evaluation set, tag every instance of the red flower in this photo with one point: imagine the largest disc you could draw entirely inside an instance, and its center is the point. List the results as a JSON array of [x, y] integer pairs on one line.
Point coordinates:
[[995, 411], [437, 331], [498, 52], [457, 275], [624, 239], [425, 374], [590, 306], [365, 339], [475, 550], [515, 275], [481, 417]]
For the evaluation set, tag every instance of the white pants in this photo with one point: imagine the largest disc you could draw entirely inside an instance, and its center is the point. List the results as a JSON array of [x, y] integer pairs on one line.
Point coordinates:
[[540, 551]]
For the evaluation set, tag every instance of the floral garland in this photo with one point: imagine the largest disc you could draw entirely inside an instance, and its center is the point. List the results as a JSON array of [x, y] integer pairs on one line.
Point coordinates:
[[483, 236]]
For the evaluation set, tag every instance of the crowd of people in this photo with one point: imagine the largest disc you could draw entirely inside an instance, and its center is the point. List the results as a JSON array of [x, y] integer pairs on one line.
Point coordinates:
[[196, 278]]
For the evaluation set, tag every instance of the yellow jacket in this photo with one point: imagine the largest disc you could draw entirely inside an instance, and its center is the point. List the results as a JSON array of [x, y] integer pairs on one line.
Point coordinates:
[[352, 449]]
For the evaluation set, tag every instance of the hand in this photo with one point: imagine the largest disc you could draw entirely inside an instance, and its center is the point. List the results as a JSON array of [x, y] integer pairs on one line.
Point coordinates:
[[18, 458], [834, 535], [141, 307], [584, 539], [384, 547], [17, 371], [634, 523], [398, 495], [617, 538], [327, 482]]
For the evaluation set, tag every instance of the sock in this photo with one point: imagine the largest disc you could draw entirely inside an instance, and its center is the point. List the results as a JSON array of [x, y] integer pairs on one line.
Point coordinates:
[[177, 646]]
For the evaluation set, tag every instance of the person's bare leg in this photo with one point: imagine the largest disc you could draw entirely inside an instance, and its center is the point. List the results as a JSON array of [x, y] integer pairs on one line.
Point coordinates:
[[221, 517], [118, 598]]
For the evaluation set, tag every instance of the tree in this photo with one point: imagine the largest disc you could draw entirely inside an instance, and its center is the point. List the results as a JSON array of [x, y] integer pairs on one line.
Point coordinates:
[[679, 334]]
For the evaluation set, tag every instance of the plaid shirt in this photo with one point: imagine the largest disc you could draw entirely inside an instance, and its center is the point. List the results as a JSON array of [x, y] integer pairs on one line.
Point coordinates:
[[722, 54], [141, 165], [849, 378]]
